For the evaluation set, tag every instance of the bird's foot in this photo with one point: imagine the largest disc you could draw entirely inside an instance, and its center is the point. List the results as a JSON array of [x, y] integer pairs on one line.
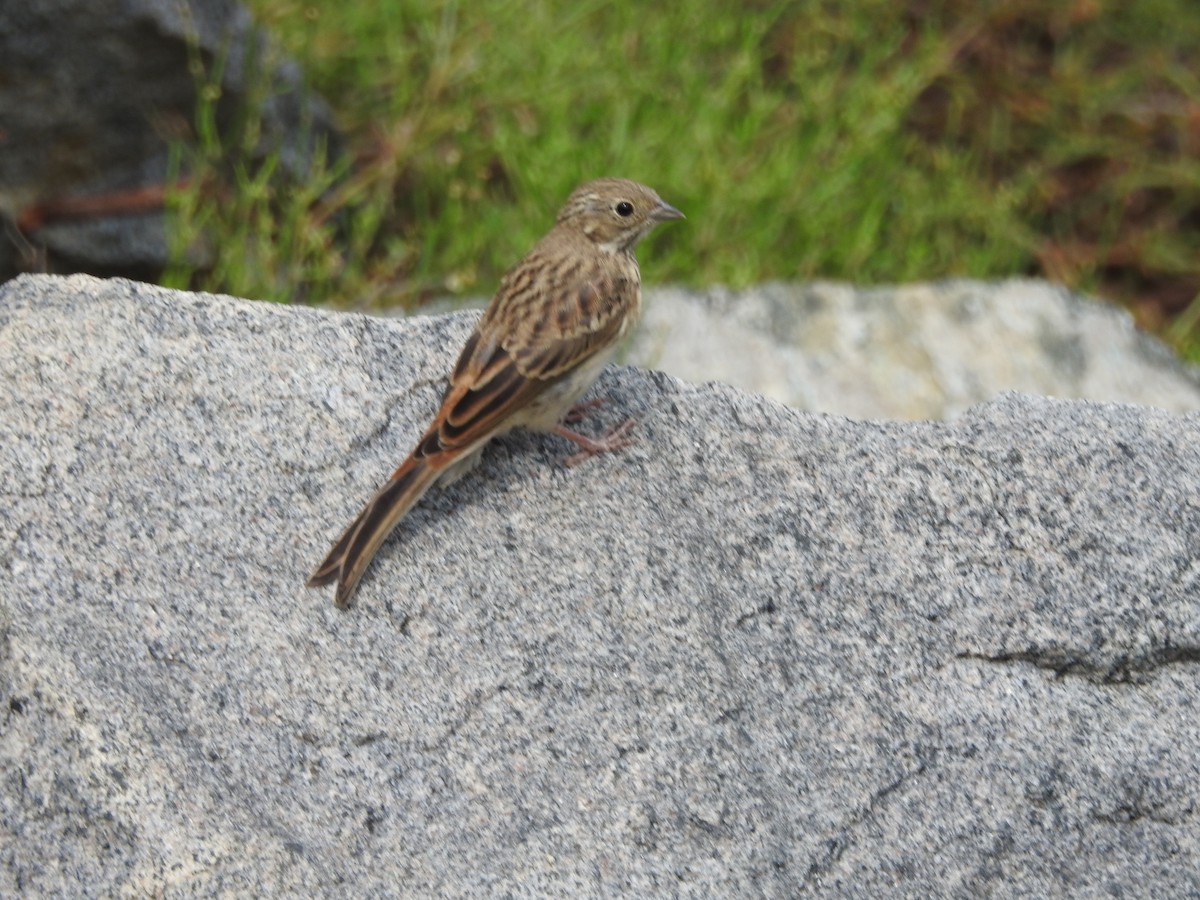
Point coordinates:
[[616, 439]]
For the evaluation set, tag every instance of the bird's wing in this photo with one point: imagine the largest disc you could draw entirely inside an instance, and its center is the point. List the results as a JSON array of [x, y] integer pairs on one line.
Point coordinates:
[[527, 340]]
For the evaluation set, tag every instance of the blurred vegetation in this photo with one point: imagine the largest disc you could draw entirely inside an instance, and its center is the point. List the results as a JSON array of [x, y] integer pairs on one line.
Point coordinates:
[[872, 141]]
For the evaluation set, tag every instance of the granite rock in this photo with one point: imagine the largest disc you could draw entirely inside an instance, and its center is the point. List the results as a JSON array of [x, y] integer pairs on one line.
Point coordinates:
[[919, 351], [761, 652]]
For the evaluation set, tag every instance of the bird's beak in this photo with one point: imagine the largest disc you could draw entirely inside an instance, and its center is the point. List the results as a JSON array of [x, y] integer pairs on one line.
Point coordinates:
[[665, 212]]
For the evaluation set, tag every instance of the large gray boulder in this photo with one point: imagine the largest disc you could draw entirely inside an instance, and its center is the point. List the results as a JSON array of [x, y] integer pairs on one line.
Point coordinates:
[[918, 351], [760, 652]]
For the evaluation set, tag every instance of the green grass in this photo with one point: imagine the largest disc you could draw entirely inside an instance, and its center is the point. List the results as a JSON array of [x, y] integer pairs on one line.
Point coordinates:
[[870, 141]]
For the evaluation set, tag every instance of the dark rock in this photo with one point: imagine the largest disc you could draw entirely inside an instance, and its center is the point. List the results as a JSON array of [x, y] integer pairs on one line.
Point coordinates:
[[91, 92]]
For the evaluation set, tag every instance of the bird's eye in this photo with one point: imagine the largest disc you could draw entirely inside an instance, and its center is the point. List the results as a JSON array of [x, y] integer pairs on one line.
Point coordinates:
[[624, 208]]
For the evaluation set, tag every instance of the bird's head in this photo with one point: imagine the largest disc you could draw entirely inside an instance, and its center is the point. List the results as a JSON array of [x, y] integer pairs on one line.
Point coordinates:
[[615, 213]]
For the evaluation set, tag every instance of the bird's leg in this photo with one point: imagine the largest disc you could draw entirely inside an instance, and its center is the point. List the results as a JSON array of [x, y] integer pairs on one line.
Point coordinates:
[[579, 411], [606, 443]]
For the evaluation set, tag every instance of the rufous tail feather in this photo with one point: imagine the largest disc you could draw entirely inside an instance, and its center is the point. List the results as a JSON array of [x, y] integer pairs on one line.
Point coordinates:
[[355, 549]]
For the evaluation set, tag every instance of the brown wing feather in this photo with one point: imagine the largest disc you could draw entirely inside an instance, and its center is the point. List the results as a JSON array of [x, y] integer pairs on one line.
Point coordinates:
[[523, 344], [483, 393], [585, 296]]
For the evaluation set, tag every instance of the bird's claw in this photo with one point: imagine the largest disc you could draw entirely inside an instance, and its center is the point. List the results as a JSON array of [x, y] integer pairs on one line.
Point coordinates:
[[616, 439]]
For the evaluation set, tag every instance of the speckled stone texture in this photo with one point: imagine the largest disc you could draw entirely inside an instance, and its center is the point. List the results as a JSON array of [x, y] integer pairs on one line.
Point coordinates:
[[917, 351], [759, 653]]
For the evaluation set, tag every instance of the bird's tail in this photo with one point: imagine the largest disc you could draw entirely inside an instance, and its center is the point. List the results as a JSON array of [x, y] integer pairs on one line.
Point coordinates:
[[355, 549]]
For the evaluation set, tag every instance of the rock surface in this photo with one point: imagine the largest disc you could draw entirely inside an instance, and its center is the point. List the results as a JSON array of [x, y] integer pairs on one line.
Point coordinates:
[[761, 652], [91, 92], [922, 351]]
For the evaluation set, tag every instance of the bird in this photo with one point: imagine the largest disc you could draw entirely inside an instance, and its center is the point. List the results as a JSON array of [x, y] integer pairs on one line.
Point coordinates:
[[553, 324]]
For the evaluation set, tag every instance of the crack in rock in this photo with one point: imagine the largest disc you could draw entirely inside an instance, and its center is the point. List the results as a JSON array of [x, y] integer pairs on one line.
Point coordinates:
[[1120, 669], [836, 846]]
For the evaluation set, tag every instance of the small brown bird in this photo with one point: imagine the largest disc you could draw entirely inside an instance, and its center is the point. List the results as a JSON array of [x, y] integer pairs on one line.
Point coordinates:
[[553, 325]]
